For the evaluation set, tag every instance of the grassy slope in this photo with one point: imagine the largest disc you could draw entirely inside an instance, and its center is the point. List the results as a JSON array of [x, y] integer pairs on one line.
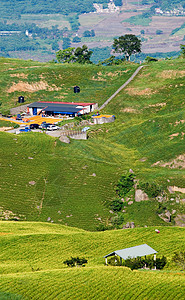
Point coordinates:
[[64, 190], [32, 256], [96, 83], [68, 188]]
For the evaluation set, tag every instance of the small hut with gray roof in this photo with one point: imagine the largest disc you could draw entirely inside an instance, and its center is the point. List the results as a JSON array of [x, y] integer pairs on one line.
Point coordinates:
[[132, 252]]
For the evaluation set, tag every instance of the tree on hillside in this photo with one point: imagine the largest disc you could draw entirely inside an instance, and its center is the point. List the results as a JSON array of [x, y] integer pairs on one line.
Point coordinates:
[[66, 55], [128, 44], [71, 55], [83, 55], [182, 50]]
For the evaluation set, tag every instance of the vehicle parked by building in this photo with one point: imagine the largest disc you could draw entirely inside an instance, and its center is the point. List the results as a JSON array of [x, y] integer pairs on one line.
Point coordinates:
[[44, 125], [26, 129], [34, 126], [52, 127]]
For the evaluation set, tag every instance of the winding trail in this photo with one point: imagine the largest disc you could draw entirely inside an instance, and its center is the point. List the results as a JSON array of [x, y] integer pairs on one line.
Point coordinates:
[[121, 87]]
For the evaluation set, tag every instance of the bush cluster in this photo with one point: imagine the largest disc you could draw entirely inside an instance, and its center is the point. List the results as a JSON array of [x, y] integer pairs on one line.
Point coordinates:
[[75, 261], [125, 184], [151, 189], [139, 263]]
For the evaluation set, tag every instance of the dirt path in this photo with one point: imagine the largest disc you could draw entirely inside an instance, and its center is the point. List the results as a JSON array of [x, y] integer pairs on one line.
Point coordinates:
[[122, 87]]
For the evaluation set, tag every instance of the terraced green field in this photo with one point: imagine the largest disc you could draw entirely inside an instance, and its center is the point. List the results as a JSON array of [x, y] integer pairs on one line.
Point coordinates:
[[43, 179], [54, 82], [32, 255]]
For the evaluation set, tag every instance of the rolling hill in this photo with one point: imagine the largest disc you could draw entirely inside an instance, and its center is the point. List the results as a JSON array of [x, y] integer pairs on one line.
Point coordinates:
[[32, 256], [45, 180]]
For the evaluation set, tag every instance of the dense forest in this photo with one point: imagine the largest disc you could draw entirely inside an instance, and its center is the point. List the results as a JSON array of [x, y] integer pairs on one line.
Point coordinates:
[[169, 4], [18, 7]]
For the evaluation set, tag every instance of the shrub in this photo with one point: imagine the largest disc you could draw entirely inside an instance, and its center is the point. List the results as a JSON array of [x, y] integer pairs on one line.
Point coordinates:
[[179, 259], [138, 263], [150, 59], [116, 205], [75, 261], [117, 220], [125, 184], [151, 189], [103, 227], [76, 39], [158, 31]]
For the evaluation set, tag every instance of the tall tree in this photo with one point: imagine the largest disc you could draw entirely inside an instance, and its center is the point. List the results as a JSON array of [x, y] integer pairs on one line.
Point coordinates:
[[71, 55], [66, 55], [128, 44], [182, 47], [82, 55]]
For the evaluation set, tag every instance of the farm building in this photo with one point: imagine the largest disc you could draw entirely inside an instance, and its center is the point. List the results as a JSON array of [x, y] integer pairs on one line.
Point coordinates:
[[132, 252], [60, 108], [100, 119]]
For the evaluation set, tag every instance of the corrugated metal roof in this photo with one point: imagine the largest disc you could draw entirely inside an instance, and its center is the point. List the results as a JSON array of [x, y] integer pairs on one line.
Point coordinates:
[[62, 109], [41, 104], [133, 252]]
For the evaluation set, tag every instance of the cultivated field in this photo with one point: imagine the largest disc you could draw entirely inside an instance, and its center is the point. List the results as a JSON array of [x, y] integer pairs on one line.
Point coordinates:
[[131, 21], [54, 82], [43, 179], [32, 256]]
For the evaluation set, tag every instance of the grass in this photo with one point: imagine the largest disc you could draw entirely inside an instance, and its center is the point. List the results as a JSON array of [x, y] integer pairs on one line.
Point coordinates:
[[7, 124], [54, 181], [32, 256], [138, 20], [97, 83], [93, 20], [43, 20]]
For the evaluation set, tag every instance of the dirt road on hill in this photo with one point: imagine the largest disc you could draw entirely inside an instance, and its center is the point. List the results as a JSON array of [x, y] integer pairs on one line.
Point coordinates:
[[121, 87]]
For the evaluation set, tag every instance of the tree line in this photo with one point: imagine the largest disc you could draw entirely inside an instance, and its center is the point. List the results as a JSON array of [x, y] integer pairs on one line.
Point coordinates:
[[127, 45], [18, 7]]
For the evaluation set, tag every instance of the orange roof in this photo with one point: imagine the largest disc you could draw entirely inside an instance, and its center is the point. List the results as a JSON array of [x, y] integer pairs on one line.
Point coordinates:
[[102, 116]]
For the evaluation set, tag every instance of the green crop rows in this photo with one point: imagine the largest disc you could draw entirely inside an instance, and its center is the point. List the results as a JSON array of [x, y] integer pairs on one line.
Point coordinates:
[[43, 179], [32, 256]]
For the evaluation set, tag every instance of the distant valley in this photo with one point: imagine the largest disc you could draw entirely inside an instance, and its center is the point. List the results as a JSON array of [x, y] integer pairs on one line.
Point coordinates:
[[37, 31]]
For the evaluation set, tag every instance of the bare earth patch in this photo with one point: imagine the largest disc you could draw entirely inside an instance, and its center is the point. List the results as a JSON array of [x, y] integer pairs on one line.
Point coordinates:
[[157, 105], [173, 189], [34, 87], [115, 74], [129, 110], [171, 136], [19, 75], [178, 162], [176, 134], [179, 122], [180, 220], [137, 92], [99, 78], [5, 128], [170, 74]]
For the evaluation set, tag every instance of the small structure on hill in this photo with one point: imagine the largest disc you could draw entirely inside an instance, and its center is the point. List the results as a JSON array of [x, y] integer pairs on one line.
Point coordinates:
[[132, 252], [100, 119], [71, 109]]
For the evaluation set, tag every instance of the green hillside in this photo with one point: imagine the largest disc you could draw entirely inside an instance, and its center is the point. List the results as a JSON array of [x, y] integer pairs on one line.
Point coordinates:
[[54, 82], [32, 256], [43, 179]]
